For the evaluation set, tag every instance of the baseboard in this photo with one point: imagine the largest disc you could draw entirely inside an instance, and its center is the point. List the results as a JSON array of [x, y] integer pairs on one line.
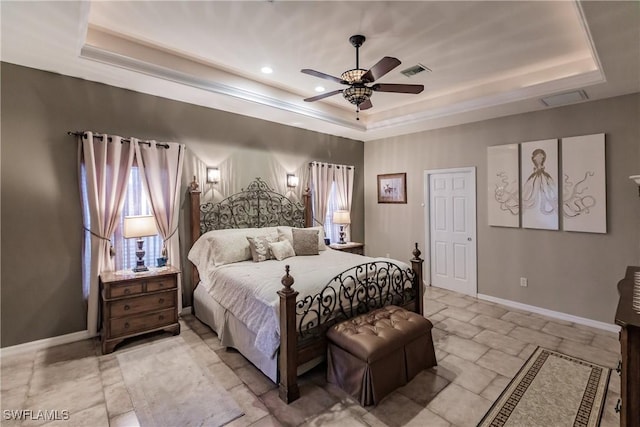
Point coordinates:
[[59, 340], [45, 343], [555, 314]]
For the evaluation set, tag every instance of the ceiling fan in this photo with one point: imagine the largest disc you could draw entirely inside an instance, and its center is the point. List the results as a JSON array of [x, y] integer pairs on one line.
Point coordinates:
[[358, 93]]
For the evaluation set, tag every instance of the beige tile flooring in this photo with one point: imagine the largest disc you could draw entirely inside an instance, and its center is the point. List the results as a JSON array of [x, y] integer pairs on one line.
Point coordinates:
[[479, 347]]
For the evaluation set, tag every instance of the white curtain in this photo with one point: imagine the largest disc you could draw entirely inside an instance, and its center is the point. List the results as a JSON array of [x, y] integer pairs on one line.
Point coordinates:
[[160, 167], [343, 177], [321, 180], [106, 164]]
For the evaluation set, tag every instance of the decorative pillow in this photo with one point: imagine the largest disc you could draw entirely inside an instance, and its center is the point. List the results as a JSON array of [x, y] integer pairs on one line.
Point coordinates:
[[321, 245], [305, 241], [259, 246], [281, 250], [285, 232]]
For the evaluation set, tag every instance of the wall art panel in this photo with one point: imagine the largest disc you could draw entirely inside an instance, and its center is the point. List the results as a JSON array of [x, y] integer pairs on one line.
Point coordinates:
[[503, 186], [584, 196], [539, 181]]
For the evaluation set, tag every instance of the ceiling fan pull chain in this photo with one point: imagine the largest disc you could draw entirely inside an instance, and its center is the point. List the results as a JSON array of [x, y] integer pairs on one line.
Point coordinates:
[[357, 112]]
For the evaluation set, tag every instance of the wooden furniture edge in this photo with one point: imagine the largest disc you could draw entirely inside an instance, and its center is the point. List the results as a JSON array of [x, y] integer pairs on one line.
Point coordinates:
[[194, 232]]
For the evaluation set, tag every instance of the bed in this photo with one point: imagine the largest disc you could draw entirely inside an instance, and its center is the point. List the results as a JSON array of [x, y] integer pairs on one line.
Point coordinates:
[[278, 322]]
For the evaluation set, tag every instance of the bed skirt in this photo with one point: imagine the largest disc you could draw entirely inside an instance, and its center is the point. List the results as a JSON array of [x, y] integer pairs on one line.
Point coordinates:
[[233, 333]]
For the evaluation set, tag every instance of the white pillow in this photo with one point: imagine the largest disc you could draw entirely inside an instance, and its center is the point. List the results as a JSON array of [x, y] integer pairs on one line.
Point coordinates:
[[259, 246], [284, 232], [220, 247], [281, 250]]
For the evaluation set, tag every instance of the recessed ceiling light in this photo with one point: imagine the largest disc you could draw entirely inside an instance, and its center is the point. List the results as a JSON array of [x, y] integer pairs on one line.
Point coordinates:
[[319, 89], [267, 70]]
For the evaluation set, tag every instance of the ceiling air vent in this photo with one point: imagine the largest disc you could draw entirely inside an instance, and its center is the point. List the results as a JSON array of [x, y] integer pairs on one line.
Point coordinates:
[[412, 71], [564, 98]]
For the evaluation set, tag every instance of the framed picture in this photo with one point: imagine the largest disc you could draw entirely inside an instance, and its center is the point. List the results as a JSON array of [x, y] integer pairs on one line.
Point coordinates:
[[392, 188], [539, 184], [503, 186], [584, 186]]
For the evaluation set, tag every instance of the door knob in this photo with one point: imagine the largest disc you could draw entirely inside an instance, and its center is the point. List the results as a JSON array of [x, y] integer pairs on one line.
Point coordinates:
[[469, 239]]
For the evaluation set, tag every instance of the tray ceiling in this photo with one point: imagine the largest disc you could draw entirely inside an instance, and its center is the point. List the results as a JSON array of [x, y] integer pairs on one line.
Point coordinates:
[[487, 59]]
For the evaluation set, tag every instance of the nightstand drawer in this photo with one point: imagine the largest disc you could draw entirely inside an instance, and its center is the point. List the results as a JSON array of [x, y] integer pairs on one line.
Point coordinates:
[[124, 289], [129, 306], [160, 284], [129, 325]]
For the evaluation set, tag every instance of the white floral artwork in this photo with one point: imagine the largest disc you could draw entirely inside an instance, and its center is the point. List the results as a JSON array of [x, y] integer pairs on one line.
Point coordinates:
[[584, 201], [539, 180], [503, 186]]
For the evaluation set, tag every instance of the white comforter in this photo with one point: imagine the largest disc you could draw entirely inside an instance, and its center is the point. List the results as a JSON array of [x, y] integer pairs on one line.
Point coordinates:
[[249, 289]]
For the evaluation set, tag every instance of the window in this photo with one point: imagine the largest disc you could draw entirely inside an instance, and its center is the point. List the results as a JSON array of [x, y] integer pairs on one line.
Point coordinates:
[[136, 203], [331, 230]]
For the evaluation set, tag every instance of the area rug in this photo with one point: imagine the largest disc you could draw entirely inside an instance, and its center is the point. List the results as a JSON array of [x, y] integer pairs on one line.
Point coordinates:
[[169, 388], [551, 389]]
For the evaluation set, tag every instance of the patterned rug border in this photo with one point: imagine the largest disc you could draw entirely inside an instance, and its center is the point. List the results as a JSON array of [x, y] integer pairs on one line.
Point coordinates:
[[526, 365]]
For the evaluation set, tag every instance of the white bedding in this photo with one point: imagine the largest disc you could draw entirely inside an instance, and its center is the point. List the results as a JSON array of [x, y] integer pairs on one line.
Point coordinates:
[[249, 289]]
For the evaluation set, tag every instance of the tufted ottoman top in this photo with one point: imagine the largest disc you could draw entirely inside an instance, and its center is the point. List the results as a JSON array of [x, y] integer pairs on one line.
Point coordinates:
[[373, 335]]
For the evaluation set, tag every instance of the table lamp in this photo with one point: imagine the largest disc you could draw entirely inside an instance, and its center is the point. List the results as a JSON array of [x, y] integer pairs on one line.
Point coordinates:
[[139, 226], [341, 218]]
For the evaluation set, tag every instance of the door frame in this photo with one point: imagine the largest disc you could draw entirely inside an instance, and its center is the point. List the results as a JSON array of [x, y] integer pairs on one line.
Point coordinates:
[[471, 170]]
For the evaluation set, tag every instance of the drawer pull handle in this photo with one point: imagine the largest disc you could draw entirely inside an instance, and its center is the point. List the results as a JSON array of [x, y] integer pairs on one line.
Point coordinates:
[[161, 317], [127, 291], [618, 407], [126, 307], [619, 368], [126, 325], [161, 300]]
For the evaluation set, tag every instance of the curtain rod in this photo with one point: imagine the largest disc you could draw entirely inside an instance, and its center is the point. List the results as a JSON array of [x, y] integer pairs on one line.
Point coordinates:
[[100, 136], [329, 165]]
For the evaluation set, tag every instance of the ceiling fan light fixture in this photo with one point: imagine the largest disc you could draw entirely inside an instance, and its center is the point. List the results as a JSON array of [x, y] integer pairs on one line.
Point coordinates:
[[357, 94], [353, 76]]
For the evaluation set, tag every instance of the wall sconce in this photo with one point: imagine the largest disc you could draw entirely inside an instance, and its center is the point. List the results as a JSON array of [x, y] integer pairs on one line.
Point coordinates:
[[292, 180], [213, 175], [636, 179]]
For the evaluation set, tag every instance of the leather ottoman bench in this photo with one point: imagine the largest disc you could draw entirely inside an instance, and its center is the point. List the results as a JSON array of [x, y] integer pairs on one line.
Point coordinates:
[[371, 355]]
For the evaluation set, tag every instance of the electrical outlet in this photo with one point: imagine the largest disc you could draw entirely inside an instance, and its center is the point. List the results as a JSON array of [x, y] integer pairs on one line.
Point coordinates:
[[524, 282]]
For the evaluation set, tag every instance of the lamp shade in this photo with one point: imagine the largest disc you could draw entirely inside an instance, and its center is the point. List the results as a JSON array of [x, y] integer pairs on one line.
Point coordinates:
[[341, 217], [139, 226]]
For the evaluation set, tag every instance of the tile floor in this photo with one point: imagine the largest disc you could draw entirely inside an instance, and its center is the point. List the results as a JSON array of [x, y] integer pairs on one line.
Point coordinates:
[[479, 347]]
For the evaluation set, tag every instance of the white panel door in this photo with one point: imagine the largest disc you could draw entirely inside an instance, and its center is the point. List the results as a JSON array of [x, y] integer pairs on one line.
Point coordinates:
[[453, 231]]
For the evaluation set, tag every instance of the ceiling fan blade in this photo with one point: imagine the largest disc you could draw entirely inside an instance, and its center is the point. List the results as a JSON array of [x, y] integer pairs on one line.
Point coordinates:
[[365, 105], [383, 66], [323, 76], [323, 95], [399, 88]]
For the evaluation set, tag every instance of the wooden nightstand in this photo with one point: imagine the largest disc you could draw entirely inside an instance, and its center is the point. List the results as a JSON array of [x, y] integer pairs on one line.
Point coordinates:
[[352, 247], [138, 303]]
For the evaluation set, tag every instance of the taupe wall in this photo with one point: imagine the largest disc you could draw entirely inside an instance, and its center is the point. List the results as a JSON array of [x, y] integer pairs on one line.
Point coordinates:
[[574, 273], [41, 292]]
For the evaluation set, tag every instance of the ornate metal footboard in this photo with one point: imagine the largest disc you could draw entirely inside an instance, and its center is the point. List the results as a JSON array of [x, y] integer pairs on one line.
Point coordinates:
[[358, 290], [355, 291]]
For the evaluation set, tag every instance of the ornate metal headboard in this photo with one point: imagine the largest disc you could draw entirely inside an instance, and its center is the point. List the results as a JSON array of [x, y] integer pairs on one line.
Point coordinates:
[[254, 207], [257, 206]]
